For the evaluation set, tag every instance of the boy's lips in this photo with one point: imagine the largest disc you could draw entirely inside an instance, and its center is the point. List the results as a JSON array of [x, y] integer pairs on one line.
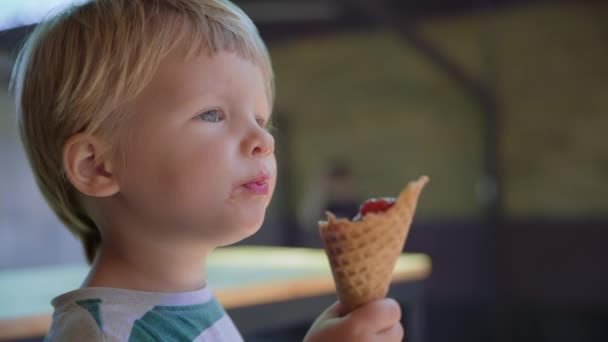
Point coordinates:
[[258, 185]]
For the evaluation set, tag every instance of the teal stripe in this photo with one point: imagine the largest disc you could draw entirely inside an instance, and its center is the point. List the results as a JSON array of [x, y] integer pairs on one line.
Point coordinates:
[[92, 305], [176, 323]]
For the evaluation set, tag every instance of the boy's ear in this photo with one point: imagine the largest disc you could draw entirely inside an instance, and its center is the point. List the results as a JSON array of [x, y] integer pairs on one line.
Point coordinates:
[[87, 167]]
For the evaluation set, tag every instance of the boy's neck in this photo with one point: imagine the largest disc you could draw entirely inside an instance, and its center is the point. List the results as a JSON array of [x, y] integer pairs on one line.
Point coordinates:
[[148, 266]]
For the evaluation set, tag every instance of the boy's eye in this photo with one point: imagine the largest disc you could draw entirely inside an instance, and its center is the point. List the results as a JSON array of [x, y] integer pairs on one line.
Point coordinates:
[[266, 124], [213, 115], [270, 126], [261, 122]]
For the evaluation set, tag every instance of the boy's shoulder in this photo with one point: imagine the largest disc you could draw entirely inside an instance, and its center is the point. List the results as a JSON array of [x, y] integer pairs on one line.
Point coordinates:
[[109, 314], [78, 322]]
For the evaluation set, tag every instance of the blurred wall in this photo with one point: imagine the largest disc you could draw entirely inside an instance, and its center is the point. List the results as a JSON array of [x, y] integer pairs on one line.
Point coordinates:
[[370, 97], [30, 235]]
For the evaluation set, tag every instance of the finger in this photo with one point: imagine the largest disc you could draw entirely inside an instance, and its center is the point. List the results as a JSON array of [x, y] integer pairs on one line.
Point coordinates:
[[378, 315], [394, 333], [333, 311], [329, 317]]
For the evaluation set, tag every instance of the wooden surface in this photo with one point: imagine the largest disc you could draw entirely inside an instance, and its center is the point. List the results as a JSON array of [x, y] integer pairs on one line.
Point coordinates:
[[239, 277]]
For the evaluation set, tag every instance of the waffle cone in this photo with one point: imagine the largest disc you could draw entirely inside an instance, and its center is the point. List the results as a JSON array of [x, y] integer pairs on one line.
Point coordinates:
[[362, 254]]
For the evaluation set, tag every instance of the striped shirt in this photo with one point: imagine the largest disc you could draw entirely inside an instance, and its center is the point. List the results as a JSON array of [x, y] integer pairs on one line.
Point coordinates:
[[109, 314]]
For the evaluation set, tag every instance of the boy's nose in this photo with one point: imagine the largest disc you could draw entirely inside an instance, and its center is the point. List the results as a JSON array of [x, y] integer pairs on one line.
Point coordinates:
[[259, 142]]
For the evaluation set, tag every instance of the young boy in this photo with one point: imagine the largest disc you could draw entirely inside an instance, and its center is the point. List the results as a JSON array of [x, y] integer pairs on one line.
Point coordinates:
[[146, 125]]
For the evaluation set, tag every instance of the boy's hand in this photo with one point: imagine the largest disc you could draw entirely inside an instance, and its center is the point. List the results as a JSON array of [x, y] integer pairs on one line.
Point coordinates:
[[375, 321]]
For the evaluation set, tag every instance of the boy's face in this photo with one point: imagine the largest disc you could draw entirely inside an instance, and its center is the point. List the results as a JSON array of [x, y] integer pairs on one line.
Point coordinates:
[[200, 162]]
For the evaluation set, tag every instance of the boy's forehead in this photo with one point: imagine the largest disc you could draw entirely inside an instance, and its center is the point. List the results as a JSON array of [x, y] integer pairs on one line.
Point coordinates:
[[180, 78], [224, 69]]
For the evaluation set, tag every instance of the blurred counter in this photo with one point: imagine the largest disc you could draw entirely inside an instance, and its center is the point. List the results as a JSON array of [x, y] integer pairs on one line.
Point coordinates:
[[260, 287]]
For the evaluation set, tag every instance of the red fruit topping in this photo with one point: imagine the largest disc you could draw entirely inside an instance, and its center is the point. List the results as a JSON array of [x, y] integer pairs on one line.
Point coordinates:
[[376, 205]]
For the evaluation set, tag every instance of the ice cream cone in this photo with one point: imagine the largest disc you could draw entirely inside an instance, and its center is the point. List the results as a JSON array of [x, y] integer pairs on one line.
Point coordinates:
[[363, 253]]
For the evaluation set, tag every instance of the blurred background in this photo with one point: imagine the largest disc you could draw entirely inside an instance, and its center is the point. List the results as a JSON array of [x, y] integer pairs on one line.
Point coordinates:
[[503, 103]]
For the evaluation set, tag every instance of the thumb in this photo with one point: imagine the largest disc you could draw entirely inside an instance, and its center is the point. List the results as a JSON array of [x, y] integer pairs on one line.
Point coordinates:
[[335, 310], [329, 317], [323, 326]]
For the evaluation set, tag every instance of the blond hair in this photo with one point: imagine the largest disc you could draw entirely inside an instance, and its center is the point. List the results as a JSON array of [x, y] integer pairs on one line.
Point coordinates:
[[78, 67]]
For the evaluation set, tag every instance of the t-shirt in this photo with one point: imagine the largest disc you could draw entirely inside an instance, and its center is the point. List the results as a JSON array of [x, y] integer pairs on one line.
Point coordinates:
[[109, 314]]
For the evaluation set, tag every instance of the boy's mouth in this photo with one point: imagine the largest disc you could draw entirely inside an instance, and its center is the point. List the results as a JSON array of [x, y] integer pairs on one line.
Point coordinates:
[[258, 185], [257, 188]]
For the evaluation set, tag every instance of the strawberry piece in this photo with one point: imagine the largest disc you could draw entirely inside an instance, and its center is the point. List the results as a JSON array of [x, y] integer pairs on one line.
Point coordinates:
[[376, 205]]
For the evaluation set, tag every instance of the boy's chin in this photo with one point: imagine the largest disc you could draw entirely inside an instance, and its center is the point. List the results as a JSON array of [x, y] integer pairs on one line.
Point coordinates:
[[241, 230], [240, 234]]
